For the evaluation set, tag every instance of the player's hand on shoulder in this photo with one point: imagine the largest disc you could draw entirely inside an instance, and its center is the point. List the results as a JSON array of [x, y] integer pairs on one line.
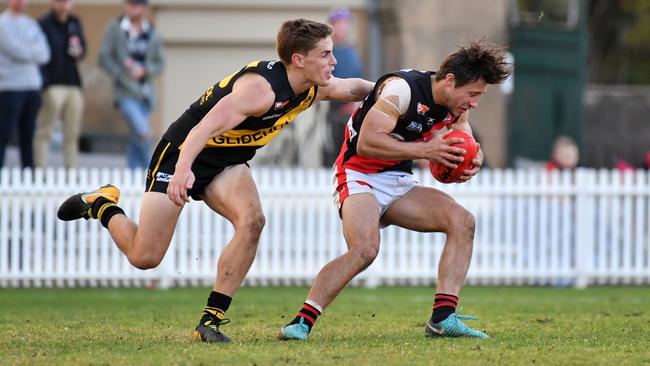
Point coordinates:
[[181, 181], [345, 90], [438, 149]]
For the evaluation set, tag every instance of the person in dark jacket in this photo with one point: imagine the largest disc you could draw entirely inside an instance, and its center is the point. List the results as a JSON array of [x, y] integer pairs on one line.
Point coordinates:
[[62, 94]]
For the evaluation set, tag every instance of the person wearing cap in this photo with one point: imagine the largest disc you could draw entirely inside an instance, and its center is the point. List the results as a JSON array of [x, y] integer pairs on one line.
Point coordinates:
[[132, 54], [349, 66]]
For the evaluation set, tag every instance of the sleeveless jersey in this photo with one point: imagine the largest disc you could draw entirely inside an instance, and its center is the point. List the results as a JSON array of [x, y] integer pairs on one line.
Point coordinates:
[[423, 116], [239, 144]]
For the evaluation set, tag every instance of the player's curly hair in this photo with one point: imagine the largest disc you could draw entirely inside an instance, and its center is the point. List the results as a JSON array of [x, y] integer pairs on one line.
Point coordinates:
[[474, 61], [299, 36]]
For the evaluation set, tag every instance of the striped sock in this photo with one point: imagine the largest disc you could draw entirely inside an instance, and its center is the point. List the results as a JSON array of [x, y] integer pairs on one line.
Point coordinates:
[[443, 306], [308, 313], [218, 304], [104, 210]]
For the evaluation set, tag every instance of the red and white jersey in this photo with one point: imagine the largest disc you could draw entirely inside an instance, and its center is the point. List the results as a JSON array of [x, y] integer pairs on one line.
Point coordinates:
[[422, 117]]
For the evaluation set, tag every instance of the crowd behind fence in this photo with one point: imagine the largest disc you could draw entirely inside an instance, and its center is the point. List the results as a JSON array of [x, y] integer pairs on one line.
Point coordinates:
[[533, 227]]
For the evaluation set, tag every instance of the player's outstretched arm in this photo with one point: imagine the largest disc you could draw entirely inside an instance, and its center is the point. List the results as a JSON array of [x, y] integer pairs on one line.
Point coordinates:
[[345, 90], [251, 96]]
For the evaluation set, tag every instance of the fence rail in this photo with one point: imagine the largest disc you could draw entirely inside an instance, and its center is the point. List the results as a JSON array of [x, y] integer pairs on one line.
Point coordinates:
[[533, 227]]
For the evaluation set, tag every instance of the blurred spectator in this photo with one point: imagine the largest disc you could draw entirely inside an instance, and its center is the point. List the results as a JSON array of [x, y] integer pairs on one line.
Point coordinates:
[[622, 165], [348, 66], [131, 53], [564, 155], [23, 48], [647, 159], [62, 94]]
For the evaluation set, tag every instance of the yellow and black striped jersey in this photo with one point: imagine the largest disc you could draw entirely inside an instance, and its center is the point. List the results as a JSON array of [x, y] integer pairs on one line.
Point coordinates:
[[239, 144]]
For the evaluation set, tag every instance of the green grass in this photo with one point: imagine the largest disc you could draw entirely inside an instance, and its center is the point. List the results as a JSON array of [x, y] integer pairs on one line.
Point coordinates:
[[542, 326]]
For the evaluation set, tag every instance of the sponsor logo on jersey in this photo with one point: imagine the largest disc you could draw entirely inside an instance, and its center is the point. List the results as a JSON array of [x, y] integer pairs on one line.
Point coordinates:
[[270, 65], [260, 137], [270, 116], [279, 105], [397, 137], [163, 177], [422, 109], [430, 122], [247, 137], [415, 127]]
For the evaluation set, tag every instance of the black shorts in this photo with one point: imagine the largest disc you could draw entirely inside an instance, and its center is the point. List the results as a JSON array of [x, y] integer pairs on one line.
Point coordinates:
[[163, 164]]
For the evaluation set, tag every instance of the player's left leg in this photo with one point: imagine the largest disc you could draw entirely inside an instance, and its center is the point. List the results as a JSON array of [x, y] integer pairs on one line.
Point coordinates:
[[427, 209], [360, 219], [233, 195]]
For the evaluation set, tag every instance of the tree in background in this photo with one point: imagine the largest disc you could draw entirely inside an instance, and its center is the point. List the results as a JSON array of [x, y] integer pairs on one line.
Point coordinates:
[[619, 41]]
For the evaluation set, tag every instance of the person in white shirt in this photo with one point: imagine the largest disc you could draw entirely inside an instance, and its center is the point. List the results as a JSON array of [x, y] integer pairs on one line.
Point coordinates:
[[23, 48]]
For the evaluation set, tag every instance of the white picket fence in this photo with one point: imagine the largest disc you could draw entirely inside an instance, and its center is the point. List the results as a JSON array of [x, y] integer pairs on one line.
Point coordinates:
[[588, 227]]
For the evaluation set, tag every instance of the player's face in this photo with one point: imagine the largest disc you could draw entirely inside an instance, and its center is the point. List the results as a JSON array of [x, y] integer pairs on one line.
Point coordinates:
[[466, 97], [319, 62]]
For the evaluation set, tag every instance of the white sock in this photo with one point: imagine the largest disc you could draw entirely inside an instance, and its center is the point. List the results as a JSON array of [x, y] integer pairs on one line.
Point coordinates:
[[314, 304]]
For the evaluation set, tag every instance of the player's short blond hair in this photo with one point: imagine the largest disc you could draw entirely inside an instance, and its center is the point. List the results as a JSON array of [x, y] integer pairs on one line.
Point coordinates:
[[299, 36]]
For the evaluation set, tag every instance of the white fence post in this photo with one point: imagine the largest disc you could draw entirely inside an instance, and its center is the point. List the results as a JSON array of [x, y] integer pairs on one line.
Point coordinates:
[[585, 227], [591, 226]]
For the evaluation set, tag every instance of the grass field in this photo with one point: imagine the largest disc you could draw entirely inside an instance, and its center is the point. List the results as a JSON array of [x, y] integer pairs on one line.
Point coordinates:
[[543, 326]]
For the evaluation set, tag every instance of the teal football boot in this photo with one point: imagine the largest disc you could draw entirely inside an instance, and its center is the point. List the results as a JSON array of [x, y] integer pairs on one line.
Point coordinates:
[[298, 331], [453, 327]]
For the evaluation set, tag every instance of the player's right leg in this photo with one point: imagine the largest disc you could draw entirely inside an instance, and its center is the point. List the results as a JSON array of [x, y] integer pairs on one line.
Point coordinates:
[[360, 216], [145, 243]]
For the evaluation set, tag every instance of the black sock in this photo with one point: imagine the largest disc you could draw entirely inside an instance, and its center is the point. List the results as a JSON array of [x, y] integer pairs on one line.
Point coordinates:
[[218, 304], [309, 314], [443, 306], [104, 210]]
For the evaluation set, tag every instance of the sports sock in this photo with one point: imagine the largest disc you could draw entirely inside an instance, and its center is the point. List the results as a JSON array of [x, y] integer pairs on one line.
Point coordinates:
[[309, 313], [104, 210], [218, 304], [443, 306]]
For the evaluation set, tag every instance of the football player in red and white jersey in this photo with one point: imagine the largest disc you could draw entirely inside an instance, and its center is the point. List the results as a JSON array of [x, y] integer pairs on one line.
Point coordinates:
[[406, 117]]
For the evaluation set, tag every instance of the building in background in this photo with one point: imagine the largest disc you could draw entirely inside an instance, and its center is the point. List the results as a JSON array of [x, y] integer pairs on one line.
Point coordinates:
[[214, 37]]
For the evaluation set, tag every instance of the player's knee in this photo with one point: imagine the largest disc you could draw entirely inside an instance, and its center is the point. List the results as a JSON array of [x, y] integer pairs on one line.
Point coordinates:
[[367, 254], [253, 224], [464, 223], [145, 261]]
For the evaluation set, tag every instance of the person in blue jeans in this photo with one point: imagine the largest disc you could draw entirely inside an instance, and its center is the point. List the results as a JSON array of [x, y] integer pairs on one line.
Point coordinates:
[[136, 113], [132, 54]]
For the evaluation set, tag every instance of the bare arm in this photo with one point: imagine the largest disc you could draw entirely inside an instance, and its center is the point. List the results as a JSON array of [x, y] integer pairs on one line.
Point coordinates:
[[251, 96], [375, 138], [345, 90]]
